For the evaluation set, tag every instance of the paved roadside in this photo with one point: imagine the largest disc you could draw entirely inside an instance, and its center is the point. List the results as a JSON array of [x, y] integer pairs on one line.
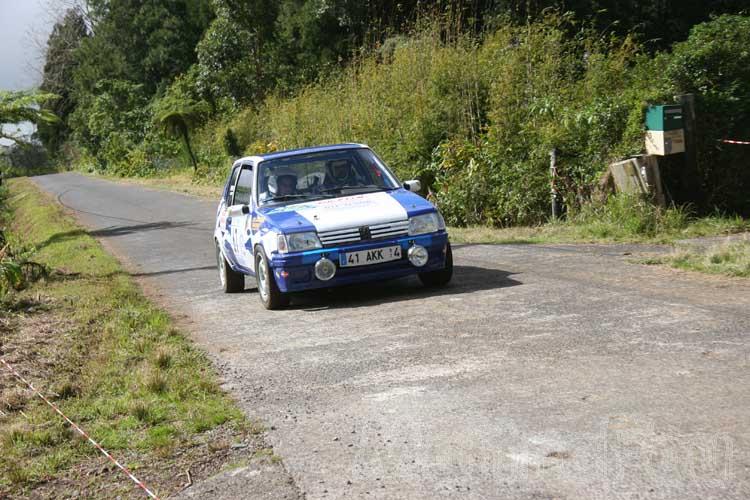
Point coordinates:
[[543, 371]]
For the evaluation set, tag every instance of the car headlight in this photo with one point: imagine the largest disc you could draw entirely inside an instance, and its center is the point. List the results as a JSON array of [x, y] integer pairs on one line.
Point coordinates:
[[422, 224], [298, 242], [441, 221]]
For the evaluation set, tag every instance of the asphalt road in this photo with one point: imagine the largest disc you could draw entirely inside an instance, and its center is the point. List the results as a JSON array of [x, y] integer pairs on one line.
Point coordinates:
[[541, 372]]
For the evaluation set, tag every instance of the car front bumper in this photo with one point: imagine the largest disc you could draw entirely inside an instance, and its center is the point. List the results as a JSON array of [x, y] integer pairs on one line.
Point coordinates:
[[296, 271]]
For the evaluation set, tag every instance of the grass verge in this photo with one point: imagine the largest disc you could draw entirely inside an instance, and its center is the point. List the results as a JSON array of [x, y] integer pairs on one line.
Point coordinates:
[[597, 232], [622, 219], [114, 363], [729, 259]]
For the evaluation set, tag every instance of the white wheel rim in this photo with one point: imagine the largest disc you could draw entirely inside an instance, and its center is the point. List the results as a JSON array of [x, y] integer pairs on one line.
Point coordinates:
[[262, 279], [222, 267]]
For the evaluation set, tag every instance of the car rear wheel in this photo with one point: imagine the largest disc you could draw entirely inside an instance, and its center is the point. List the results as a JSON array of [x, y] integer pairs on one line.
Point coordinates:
[[270, 295], [442, 276], [231, 281]]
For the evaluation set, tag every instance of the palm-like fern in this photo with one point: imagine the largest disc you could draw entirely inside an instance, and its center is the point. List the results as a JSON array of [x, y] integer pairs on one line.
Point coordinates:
[[177, 116]]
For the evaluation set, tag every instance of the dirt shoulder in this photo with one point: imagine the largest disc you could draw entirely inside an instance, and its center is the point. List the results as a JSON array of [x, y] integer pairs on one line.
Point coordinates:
[[89, 341]]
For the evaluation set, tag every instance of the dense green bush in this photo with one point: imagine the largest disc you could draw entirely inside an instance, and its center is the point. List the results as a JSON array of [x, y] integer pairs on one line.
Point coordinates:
[[473, 114], [229, 69], [15, 268], [19, 160], [714, 64], [581, 96], [111, 121], [475, 119], [403, 107]]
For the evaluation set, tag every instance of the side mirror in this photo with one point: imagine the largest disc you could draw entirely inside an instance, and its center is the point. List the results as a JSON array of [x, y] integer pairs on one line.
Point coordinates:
[[413, 186], [236, 211]]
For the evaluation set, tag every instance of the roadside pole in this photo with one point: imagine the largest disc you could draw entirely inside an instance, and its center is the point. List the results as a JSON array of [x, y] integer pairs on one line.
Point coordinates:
[[690, 175], [553, 186]]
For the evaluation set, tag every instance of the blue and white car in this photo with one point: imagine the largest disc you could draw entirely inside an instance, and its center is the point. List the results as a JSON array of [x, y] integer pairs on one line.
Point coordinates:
[[322, 217]]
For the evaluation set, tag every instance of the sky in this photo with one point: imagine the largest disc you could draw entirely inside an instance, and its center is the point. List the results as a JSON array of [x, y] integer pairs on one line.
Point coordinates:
[[22, 22]]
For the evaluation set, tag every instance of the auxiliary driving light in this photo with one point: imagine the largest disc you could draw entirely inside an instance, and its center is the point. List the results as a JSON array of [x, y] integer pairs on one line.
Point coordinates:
[[418, 255], [325, 269]]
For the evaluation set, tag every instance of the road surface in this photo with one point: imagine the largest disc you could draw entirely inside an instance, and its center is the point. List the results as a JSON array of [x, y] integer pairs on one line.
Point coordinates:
[[541, 372]]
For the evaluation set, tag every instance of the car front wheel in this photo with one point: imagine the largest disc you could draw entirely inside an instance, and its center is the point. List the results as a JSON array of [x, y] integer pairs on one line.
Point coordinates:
[[268, 290], [231, 281], [442, 276]]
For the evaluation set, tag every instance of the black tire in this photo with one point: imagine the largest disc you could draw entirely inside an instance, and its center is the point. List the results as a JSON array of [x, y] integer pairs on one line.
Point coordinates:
[[441, 277], [268, 291], [231, 281]]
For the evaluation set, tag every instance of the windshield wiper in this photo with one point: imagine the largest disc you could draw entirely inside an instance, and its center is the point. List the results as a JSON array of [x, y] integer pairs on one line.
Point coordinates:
[[341, 188], [336, 188], [288, 197]]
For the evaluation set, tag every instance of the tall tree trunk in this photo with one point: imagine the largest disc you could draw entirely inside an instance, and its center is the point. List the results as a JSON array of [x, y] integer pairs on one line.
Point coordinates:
[[186, 138]]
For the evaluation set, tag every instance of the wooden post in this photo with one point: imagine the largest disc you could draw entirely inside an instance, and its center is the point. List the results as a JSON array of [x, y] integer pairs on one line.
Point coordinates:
[[553, 187], [690, 178]]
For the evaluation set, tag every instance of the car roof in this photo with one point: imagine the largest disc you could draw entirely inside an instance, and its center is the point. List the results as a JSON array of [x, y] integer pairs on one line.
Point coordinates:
[[300, 151]]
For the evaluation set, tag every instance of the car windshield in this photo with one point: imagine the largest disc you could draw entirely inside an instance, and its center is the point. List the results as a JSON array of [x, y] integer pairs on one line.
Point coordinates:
[[322, 175]]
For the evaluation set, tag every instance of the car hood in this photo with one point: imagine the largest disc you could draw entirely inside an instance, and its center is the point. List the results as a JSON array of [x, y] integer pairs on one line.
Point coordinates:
[[347, 211]]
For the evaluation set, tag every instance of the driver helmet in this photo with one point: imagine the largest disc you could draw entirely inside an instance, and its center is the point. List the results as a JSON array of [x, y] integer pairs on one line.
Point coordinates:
[[340, 170], [282, 176]]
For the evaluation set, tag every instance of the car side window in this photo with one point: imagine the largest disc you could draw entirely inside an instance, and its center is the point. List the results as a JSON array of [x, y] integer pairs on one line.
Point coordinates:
[[229, 188], [244, 187]]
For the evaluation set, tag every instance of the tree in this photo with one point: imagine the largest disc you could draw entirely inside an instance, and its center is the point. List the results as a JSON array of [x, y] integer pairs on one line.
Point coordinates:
[[231, 55], [24, 106], [179, 112], [111, 119], [714, 64], [147, 42], [26, 157], [59, 66]]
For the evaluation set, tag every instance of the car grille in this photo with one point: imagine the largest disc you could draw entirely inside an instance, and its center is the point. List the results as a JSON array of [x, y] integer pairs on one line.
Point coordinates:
[[355, 234]]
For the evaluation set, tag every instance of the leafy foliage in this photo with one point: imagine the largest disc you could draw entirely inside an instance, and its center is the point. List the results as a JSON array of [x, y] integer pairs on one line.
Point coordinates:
[[546, 91], [23, 159], [147, 42], [230, 65], [475, 119], [111, 121], [11, 276], [470, 96], [17, 107], [15, 268], [59, 67], [178, 112], [714, 64]]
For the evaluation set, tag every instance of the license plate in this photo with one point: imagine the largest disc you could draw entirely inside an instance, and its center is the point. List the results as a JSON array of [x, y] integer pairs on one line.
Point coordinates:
[[366, 257]]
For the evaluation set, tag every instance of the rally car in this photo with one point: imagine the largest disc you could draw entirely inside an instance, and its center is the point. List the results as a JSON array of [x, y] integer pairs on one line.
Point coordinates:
[[322, 217]]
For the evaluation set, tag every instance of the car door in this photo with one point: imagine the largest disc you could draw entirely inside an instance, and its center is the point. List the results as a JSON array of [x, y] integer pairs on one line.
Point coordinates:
[[223, 220], [240, 224]]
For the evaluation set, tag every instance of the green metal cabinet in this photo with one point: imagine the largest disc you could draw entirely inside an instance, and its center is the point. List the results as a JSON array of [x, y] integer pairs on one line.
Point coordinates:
[[665, 130], [664, 117]]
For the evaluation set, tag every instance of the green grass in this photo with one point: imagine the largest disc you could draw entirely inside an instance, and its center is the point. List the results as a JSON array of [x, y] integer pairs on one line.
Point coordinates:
[[127, 375], [623, 219], [728, 259], [597, 232]]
